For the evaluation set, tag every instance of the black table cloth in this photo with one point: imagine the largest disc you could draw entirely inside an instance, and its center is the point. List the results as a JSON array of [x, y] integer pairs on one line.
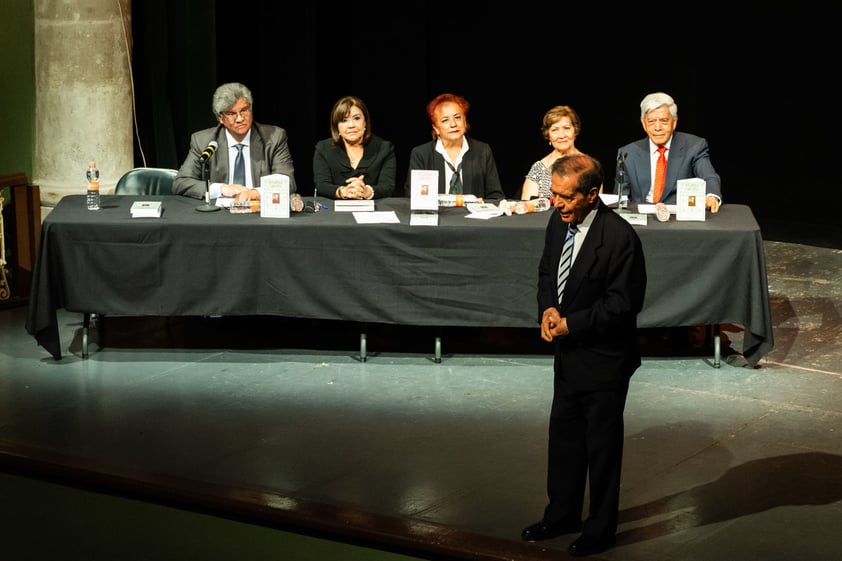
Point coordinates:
[[463, 272]]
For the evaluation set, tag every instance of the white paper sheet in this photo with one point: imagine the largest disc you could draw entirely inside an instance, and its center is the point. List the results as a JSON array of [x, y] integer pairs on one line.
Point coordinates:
[[376, 217], [646, 208]]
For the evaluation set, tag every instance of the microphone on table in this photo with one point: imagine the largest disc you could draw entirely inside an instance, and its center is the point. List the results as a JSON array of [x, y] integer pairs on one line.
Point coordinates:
[[297, 204], [209, 151], [203, 160]]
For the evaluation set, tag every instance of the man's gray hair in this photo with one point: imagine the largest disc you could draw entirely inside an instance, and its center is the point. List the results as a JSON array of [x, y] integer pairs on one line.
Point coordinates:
[[655, 100], [228, 94]]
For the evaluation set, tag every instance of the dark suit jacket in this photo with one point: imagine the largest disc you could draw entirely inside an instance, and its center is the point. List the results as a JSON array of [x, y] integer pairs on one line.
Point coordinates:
[[269, 154], [331, 167], [479, 170], [687, 157], [602, 297]]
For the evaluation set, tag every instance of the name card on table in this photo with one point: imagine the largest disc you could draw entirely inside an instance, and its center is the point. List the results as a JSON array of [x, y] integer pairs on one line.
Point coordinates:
[[146, 209], [353, 205]]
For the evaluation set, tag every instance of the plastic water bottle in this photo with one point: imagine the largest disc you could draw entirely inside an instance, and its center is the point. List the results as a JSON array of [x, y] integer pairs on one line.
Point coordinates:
[[93, 186], [535, 205], [457, 200], [296, 203]]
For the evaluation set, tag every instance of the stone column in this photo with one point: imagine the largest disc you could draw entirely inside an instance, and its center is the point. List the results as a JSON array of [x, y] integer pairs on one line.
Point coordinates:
[[83, 90]]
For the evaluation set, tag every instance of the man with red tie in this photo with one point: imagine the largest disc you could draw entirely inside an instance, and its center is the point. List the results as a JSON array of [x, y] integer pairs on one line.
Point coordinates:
[[653, 165]]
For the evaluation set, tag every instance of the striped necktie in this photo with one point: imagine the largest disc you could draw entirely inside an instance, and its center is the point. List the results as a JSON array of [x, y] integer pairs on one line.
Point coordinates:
[[239, 167], [566, 260]]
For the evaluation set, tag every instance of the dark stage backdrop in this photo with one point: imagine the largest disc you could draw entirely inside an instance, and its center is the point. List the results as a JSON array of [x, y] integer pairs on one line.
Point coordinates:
[[753, 87]]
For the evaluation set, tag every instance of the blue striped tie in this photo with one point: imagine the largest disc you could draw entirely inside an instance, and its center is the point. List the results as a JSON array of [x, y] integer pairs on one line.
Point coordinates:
[[566, 260]]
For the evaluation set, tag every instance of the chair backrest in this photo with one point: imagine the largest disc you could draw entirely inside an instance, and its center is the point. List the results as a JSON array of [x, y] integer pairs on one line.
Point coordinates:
[[146, 181]]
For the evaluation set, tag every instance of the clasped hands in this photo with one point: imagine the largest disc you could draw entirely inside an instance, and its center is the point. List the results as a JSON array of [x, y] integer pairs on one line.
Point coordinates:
[[553, 325], [355, 188]]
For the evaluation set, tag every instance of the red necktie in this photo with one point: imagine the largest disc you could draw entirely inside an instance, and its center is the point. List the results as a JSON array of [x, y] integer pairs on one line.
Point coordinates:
[[660, 174]]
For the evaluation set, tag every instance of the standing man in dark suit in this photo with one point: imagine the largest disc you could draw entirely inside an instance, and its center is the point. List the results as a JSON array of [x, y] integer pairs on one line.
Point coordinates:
[[465, 165], [592, 318], [264, 148], [687, 156]]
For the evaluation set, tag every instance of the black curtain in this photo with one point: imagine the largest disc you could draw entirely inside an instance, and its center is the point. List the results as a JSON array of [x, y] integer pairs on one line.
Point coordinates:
[[760, 97]]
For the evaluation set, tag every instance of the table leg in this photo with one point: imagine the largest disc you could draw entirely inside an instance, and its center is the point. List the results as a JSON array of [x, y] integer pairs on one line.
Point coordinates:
[[363, 350], [716, 346], [86, 326]]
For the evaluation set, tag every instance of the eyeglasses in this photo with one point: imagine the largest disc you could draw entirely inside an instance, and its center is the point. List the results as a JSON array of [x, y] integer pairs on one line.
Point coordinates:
[[232, 115]]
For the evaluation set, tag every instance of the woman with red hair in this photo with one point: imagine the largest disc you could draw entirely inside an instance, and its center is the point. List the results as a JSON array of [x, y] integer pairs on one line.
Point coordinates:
[[465, 165]]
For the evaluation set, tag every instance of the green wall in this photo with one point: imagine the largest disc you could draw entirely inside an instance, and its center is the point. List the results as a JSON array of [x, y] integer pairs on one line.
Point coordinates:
[[17, 87]]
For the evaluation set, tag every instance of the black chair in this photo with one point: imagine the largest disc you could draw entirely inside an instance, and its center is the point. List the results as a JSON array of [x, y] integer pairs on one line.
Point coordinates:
[[146, 181], [138, 181]]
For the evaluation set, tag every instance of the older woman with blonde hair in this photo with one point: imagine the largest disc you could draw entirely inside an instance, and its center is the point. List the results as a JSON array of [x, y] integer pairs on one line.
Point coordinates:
[[560, 127]]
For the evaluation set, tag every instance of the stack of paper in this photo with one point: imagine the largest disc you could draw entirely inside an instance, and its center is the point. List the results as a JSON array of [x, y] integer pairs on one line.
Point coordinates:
[[483, 210], [146, 209]]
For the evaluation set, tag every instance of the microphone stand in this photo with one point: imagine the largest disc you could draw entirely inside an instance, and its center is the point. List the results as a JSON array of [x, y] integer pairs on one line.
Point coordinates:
[[620, 180], [207, 207]]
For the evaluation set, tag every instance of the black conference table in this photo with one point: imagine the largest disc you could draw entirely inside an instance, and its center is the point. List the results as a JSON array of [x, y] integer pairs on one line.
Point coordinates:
[[324, 265]]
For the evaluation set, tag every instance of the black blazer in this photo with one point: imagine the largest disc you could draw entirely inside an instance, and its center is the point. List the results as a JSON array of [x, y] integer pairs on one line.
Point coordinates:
[[479, 170], [331, 167], [602, 297], [269, 154]]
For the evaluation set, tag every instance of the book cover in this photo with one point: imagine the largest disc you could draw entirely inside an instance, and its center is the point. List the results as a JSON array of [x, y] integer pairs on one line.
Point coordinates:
[[690, 199], [274, 196], [424, 189]]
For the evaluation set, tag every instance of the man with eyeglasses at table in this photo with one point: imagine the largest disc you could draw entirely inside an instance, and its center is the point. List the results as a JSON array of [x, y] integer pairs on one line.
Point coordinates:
[[264, 148]]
